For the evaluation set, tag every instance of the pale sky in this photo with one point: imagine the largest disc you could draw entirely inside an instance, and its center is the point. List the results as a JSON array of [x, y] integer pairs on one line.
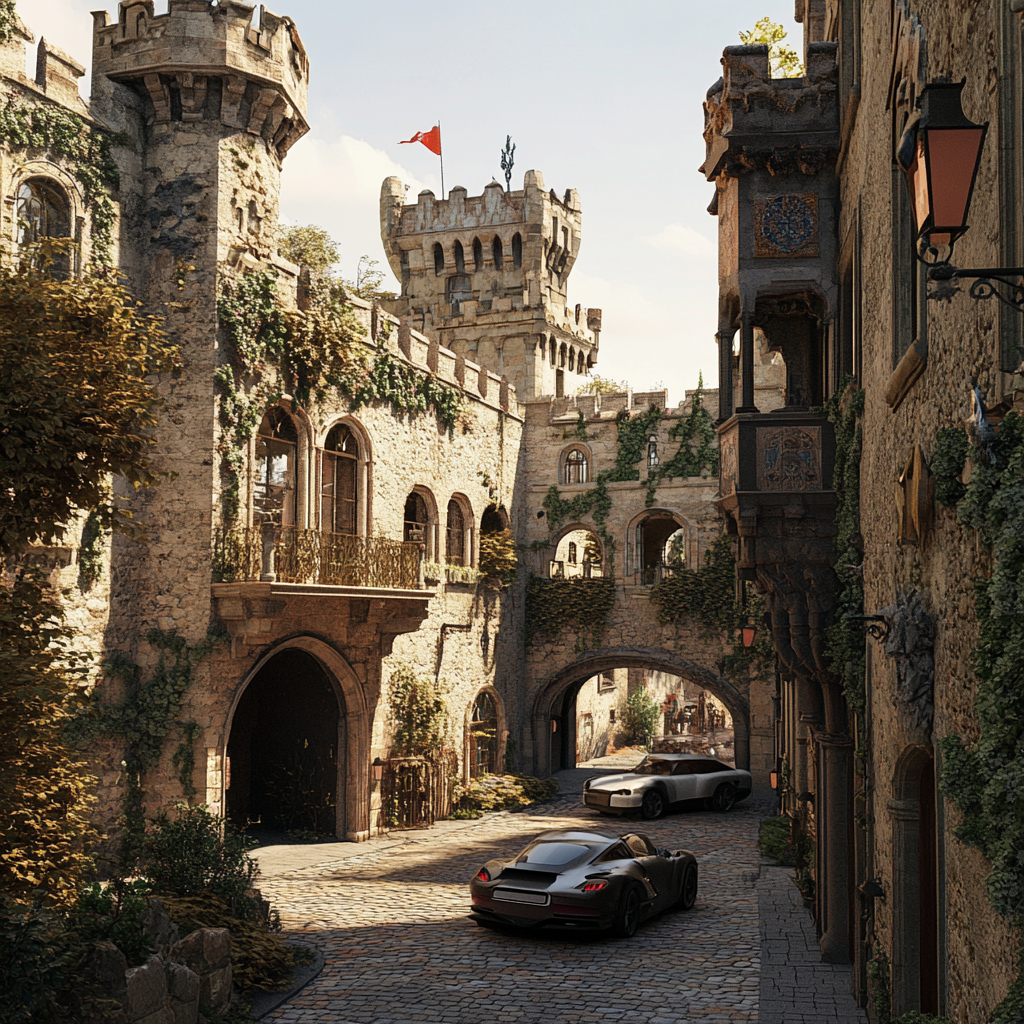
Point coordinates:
[[599, 95]]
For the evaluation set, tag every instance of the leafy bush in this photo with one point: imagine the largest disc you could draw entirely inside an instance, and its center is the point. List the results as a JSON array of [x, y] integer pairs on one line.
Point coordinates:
[[197, 853], [498, 558], [418, 711], [500, 792], [113, 913], [33, 961], [640, 718], [774, 839]]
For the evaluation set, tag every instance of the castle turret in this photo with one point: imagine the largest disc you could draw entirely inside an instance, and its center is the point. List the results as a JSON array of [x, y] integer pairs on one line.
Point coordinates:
[[487, 276]]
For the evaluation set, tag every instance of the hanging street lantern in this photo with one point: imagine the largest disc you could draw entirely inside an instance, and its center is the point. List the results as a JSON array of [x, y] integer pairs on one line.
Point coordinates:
[[940, 154], [378, 769], [748, 631]]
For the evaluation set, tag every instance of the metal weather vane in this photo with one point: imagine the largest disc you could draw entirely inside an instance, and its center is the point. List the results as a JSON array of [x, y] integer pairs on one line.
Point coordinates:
[[507, 161]]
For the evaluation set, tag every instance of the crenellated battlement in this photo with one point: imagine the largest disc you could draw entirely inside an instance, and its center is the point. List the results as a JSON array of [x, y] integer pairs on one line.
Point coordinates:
[[208, 61]]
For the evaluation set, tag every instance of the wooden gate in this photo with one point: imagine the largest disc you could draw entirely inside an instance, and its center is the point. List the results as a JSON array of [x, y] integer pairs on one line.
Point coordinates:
[[417, 791]]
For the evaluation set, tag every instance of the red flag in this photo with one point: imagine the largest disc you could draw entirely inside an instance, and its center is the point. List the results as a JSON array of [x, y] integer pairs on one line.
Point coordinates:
[[431, 139]]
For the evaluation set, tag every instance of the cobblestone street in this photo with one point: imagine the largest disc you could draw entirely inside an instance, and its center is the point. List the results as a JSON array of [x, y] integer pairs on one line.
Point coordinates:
[[391, 918]]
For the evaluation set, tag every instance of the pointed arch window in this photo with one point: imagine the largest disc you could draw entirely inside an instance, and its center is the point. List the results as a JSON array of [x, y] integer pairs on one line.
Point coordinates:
[[277, 443], [577, 467], [478, 255], [498, 252], [460, 258], [563, 354], [517, 250], [483, 737], [416, 518], [455, 535], [551, 350], [339, 491], [43, 211], [438, 259], [572, 359]]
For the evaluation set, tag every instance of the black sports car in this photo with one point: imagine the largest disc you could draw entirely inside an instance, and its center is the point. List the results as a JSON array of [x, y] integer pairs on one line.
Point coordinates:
[[584, 880]]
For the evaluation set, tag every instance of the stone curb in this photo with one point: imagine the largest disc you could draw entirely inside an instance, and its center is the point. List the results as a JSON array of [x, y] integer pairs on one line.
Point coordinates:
[[266, 1002]]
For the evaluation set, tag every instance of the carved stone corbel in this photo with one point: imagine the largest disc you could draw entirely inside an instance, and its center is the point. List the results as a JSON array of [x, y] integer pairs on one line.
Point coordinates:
[[160, 98], [231, 100], [192, 89]]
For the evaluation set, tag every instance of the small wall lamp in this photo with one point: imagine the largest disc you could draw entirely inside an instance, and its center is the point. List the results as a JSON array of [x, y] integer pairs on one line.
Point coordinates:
[[652, 450], [748, 631], [378, 769]]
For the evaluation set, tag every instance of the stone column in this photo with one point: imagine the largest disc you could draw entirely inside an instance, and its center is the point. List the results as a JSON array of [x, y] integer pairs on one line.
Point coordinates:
[[724, 374], [747, 363], [834, 837]]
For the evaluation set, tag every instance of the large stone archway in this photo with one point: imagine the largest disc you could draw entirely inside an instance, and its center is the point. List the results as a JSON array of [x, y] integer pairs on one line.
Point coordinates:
[[352, 753], [552, 691]]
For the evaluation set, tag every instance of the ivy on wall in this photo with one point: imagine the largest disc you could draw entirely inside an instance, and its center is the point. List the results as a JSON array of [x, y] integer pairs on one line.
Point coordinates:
[[580, 605], [986, 781], [143, 720], [418, 711], [947, 466], [8, 20], [707, 595], [845, 640], [64, 133], [90, 551]]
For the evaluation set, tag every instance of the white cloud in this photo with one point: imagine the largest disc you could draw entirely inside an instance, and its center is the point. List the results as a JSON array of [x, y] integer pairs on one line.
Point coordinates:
[[337, 186], [684, 239]]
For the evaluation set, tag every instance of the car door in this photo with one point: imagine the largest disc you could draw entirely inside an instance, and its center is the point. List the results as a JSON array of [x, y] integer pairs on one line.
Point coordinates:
[[683, 781], [658, 875], [708, 777]]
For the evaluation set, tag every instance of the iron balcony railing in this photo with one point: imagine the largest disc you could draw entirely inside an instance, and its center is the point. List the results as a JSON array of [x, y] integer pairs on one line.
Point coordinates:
[[288, 554]]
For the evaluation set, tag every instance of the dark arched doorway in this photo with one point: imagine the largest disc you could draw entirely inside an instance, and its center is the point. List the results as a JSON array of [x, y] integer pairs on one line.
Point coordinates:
[[283, 750]]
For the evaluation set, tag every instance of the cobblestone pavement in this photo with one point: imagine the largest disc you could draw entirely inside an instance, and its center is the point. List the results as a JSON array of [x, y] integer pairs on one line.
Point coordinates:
[[391, 917], [796, 987]]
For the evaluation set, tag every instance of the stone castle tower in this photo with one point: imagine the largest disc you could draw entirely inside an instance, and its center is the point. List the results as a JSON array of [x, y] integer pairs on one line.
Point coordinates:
[[486, 275], [211, 97]]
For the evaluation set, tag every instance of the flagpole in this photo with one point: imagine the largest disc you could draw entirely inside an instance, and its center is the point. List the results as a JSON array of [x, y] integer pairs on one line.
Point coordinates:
[[441, 156]]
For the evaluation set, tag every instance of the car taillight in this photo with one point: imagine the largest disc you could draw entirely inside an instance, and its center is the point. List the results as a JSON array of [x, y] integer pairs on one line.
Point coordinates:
[[482, 875], [595, 886]]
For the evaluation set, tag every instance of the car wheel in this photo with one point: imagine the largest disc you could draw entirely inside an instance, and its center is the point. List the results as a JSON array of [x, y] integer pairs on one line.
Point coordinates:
[[724, 798], [628, 918], [653, 805], [688, 890]]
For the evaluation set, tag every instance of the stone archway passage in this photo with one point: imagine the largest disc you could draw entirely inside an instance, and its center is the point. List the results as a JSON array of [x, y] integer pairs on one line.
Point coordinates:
[[554, 695], [283, 750]]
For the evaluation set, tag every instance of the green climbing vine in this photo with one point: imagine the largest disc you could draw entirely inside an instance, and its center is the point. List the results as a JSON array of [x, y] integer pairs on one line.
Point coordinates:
[[143, 720], [90, 551], [8, 20], [696, 455], [580, 605], [66, 134], [579, 431], [951, 451], [707, 595], [185, 760], [418, 711], [986, 781], [844, 640]]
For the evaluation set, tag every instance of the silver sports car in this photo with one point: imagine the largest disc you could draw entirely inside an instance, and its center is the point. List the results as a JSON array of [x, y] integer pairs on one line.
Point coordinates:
[[584, 880], [663, 779]]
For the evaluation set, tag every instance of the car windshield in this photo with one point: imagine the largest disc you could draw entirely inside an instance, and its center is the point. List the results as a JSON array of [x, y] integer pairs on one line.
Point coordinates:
[[653, 766], [553, 855]]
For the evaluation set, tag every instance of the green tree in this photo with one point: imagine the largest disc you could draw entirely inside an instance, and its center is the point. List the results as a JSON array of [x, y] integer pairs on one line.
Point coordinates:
[[597, 385], [309, 246], [784, 61], [368, 281], [640, 719], [78, 402]]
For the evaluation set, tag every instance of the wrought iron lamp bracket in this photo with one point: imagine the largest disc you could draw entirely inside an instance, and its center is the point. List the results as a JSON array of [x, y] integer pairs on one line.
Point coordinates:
[[1003, 283], [876, 626]]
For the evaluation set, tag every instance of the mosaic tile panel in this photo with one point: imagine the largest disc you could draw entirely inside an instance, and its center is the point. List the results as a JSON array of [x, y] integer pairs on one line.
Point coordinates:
[[789, 459], [786, 227]]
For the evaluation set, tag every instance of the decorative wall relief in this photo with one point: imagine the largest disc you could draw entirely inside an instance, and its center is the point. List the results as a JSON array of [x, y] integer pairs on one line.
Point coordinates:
[[729, 463], [789, 458], [911, 644], [786, 227]]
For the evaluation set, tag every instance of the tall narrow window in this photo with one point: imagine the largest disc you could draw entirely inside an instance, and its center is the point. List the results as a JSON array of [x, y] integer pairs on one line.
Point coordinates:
[[483, 737], [559, 383], [572, 359], [517, 250], [438, 259], [572, 552], [581, 366], [563, 354], [44, 212], [460, 259], [551, 350], [498, 252], [338, 492], [277, 442], [576, 467], [455, 535], [416, 518], [478, 255]]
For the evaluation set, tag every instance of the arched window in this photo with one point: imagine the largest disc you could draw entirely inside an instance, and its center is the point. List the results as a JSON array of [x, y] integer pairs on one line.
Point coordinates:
[[438, 259], [581, 366], [478, 255], [551, 351], [277, 442], [455, 535], [416, 519], [577, 466], [460, 258], [572, 359], [572, 552], [563, 354], [339, 489], [44, 212], [517, 250], [483, 737], [498, 253], [491, 521]]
